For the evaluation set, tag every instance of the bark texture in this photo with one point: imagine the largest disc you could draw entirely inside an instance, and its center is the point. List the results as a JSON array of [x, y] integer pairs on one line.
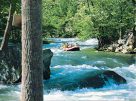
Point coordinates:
[[32, 63]]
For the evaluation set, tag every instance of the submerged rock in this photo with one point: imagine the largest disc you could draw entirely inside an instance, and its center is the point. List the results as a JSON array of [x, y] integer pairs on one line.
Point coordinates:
[[102, 78], [93, 79], [10, 65]]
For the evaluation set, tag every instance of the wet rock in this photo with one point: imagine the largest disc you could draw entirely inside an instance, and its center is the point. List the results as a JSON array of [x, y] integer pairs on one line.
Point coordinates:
[[47, 55], [10, 65], [102, 78], [93, 79]]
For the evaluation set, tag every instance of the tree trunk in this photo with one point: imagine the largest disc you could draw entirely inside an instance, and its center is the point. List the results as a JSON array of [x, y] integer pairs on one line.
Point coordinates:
[[8, 28], [32, 64], [100, 44]]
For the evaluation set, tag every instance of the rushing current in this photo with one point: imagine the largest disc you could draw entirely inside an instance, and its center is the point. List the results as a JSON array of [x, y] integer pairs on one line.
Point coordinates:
[[68, 66]]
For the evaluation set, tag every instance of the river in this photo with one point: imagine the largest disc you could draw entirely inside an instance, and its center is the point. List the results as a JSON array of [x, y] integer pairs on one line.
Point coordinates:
[[68, 66]]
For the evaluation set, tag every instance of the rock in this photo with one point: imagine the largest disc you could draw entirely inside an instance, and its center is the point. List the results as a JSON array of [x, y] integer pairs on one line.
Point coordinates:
[[10, 65], [110, 48], [121, 41], [114, 46], [125, 45], [134, 49], [130, 48], [102, 78], [93, 79], [130, 40], [127, 49], [117, 49], [124, 51], [47, 55]]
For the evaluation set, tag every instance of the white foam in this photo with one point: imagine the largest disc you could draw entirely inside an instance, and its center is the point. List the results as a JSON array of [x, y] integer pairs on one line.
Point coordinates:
[[100, 62], [84, 57], [92, 41], [128, 72], [124, 92], [89, 94], [61, 40], [84, 66], [3, 86], [56, 51]]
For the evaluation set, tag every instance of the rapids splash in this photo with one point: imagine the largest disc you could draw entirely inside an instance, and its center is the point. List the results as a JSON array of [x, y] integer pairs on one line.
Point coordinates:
[[66, 65]]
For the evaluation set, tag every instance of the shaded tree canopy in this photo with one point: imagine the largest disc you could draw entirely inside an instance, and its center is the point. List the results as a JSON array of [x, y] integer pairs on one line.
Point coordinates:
[[109, 19], [103, 19]]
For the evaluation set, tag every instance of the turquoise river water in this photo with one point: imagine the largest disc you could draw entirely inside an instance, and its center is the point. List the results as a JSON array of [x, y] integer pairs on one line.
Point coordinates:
[[67, 66]]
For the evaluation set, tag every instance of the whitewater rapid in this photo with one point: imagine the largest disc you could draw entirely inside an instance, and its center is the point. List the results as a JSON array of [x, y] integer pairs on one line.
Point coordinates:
[[113, 92], [124, 92], [64, 66]]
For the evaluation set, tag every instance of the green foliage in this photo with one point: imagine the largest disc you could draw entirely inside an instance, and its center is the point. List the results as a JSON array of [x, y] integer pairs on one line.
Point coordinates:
[[114, 14], [107, 19], [4, 13], [88, 18], [57, 14], [82, 23]]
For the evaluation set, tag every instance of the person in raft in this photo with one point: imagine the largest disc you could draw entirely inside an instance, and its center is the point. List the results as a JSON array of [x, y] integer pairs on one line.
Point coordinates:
[[66, 45]]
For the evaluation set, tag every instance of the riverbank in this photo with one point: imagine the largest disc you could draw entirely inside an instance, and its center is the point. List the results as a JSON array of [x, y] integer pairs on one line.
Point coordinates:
[[126, 45]]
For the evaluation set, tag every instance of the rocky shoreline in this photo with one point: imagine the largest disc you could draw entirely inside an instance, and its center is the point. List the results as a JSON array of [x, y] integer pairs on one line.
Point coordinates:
[[126, 45]]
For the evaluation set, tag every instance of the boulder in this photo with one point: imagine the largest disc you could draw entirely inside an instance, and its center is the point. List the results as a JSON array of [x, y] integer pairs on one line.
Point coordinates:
[[102, 78], [10, 65], [93, 79], [47, 55]]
